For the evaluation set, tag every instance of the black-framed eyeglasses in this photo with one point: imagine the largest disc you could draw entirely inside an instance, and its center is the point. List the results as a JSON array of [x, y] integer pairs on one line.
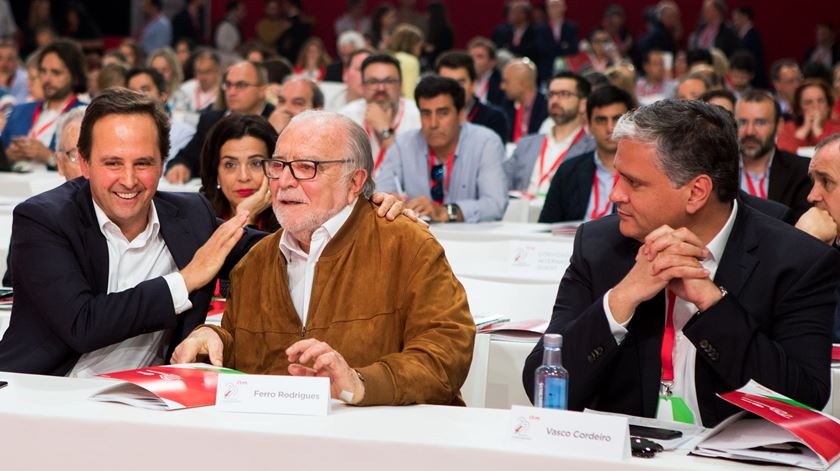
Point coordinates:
[[562, 94], [388, 82], [301, 169]]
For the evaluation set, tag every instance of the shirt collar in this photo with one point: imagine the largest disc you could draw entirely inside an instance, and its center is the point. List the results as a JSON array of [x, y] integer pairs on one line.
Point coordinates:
[[290, 245], [718, 242], [599, 165], [110, 230]]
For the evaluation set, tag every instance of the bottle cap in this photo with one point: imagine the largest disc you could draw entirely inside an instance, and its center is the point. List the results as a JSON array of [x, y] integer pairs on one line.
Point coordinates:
[[552, 340]]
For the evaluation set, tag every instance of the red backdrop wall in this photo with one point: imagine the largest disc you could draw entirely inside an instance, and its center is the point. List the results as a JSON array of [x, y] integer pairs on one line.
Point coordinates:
[[787, 28]]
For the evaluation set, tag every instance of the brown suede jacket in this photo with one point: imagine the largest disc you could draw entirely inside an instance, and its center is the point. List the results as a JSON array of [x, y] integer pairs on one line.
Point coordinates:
[[383, 296]]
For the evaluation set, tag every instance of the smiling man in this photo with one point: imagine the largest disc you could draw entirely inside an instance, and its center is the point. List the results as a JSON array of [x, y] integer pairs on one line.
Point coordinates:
[[383, 316], [449, 170], [685, 293], [111, 274]]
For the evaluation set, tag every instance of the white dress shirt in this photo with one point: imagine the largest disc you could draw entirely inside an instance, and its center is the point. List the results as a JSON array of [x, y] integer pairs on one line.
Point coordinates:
[[130, 263], [407, 119], [552, 151], [300, 265], [685, 353]]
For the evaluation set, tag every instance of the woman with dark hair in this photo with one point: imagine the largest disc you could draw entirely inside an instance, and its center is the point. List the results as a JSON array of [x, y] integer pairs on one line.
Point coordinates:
[[232, 177], [383, 22], [812, 121]]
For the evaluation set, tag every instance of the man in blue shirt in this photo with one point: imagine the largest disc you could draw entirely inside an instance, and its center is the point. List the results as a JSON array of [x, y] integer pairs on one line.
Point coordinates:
[[450, 170]]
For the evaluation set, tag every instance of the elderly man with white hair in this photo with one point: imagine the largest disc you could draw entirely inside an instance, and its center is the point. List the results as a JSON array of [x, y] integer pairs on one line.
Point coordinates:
[[66, 143], [383, 316]]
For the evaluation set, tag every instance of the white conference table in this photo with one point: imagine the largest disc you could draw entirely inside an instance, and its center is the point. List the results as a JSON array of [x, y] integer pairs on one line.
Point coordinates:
[[50, 423]]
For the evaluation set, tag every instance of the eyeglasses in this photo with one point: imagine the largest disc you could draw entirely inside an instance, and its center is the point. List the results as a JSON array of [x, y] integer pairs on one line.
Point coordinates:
[[70, 154], [389, 82], [239, 86], [562, 94], [232, 166], [301, 169]]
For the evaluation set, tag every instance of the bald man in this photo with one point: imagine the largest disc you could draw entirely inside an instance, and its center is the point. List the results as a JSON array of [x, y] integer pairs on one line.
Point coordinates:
[[526, 107], [297, 95]]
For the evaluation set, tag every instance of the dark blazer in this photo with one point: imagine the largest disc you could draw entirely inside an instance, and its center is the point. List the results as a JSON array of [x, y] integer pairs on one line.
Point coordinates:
[[529, 44], [789, 182], [60, 258], [495, 95], [491, 117], [568, 194], [539, 113], [774, 325], [190, 155], [335, 72], [183, 26], [551, 48]]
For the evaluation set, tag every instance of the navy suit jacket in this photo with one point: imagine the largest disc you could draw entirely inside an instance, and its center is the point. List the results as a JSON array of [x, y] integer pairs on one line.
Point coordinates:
[[568, 194], [20, 121], [539, 112], [495, 95], [774, 326], [491, 117], [789, 182], [60, 258]]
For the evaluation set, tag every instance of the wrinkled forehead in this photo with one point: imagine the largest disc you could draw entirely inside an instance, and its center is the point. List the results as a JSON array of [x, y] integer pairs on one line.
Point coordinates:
[[310, 138]]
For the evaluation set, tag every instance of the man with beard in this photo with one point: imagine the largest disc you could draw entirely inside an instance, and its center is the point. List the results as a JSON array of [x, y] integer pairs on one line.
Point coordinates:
[[29, 134], [383, 112], [537, 157], [450, 169], [767, 171], [382, 316], [581, 186]]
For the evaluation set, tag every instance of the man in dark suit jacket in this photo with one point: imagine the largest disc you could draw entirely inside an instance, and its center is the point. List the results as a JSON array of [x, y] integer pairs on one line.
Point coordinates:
[[244, 86], [527, 107], [68, 245], [519, 35], [488, 83], [458, 65], [769, 172], [753, 297], [558, 38]]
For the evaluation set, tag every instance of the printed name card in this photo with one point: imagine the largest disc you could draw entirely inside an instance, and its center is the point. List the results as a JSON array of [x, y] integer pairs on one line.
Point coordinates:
[[569, 433], [267, 394]]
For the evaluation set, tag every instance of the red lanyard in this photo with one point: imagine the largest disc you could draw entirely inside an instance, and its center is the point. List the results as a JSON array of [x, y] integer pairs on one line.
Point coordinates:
[[595, 213], [546, 175], [517, 123], [666, 353], [760, 193], [381, 156], [450, 161], [473, 112], [35, 133]]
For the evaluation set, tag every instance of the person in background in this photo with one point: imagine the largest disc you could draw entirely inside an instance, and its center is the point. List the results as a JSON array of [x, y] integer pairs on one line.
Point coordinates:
[[67, 143], [614, 23], [112, 75], [188, 24], [692, 86], [312, 60], [406, 43], [440, 38], [297, 95], [199, 93], [449, 169], [720, 97], [826, 49], [527, 107], [347, 43], [354, 88], [458, 65], [271, 25], [165, 61], [742, 23], [29, 135], [537, 157], [713, 31], [354, 19], [12, 75], [183, 51], [786, 77], [655, 85], [81, 27], [488, 77], [812, 103], [132, 52], [157, 32], [835, 89], [232, 177], [742, 68], [228, 35]]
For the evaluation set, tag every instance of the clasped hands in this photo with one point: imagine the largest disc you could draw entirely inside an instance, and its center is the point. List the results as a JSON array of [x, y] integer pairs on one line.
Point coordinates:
[[668, 258], [345, 383]]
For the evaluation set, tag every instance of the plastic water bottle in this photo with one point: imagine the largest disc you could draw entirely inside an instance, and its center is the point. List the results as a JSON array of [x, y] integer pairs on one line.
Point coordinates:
[[551, 380]]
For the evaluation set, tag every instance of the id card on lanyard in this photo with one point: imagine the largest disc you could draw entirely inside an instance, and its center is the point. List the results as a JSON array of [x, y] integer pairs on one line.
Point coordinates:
[[670, 407]]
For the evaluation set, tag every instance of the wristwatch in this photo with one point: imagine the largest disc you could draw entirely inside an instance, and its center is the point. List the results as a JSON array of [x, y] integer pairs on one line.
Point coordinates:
[[386, 133], [452, 212]]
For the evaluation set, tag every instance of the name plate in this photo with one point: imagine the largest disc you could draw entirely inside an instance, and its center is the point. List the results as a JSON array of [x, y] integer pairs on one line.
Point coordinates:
[[267, 394], [569, 433], [538, 259]]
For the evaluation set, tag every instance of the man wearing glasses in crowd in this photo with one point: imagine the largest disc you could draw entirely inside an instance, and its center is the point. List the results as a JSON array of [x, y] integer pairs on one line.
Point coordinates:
[[244, 88], [383, 112], [383, 316]]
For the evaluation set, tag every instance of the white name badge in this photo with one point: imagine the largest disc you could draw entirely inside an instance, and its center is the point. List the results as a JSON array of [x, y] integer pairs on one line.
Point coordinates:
[[569, 433], [267, 394]]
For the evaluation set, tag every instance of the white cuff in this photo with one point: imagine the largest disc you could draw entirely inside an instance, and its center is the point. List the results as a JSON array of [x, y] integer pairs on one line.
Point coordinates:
[[619, 331], [178, 290]]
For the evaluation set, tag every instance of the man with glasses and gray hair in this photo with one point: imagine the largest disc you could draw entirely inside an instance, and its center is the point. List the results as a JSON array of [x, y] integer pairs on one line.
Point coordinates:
[[66, 143], [383, 316], [687, 292], [383, 112]]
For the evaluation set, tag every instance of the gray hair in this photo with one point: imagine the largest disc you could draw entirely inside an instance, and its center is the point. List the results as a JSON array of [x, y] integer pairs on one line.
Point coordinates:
[[827, 142], [351, 38], [691, 138], [74, 115], [358, 150]]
